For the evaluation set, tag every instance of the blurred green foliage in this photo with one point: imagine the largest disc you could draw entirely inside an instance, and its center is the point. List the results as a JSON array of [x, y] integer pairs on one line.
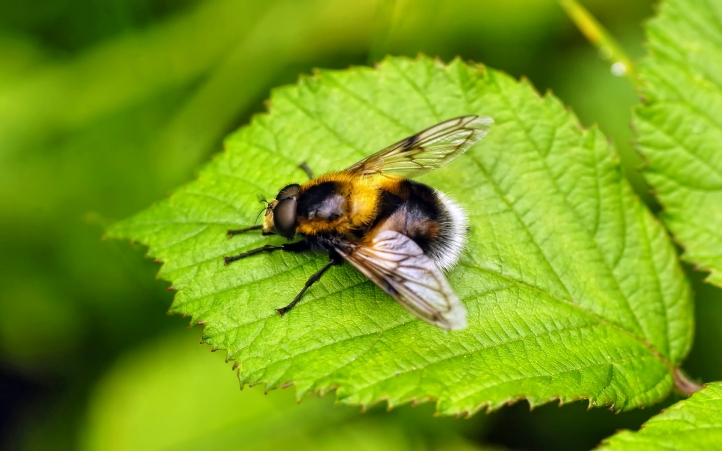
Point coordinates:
[[187, 393], [107, 106]]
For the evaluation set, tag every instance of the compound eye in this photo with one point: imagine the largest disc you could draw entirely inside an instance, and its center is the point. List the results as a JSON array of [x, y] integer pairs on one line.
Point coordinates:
[[284, 217], [289, 191]]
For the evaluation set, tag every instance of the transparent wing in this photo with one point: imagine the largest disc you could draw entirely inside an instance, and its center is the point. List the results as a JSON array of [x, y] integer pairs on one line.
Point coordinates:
[[397, 264], [426, 150]]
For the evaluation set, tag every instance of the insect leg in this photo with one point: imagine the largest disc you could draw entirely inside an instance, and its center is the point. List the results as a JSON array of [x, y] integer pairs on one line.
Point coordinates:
[[313, 279], [244, 230], [298, 246], [306, 169]]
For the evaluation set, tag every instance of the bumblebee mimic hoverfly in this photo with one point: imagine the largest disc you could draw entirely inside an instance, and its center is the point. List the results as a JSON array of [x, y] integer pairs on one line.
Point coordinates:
[[399, 233]]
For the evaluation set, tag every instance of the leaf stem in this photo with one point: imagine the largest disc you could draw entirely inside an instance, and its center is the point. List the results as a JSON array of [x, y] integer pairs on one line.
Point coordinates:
[[609, 48], [683, 384]]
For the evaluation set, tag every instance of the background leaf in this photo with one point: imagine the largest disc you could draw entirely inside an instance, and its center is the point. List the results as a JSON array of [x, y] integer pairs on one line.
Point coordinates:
[[572, 287], [695, 423], [679, 127], [172, 395]]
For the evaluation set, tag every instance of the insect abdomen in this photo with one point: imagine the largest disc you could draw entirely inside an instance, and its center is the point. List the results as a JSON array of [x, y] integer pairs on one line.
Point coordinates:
[[427, 216]]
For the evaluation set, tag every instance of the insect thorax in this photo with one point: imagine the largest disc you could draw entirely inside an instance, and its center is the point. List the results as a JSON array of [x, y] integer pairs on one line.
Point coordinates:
[[336, 203]]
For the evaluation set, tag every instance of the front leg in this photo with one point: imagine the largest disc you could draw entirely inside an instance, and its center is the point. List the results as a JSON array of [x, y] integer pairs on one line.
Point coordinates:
[[230, 233], [298, 246]]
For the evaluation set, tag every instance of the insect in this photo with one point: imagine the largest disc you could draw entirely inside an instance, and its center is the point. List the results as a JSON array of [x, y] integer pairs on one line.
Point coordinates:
[[399, 233]]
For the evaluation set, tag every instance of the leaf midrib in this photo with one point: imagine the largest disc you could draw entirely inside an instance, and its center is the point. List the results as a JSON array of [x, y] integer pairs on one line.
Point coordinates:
[[599, 319], [521, 284]]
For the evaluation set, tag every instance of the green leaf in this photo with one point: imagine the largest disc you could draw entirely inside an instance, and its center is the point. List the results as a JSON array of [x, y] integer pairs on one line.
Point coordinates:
[[695, 423], [572, 287], [679, 126]]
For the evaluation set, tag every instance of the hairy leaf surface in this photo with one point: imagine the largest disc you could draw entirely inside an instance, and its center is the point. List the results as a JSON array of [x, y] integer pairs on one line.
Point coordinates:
[[679, 125], [573, 289], [695, 423]]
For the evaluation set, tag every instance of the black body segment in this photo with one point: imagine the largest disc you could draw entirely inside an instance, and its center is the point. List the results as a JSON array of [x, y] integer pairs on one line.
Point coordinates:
[[323, 201]]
